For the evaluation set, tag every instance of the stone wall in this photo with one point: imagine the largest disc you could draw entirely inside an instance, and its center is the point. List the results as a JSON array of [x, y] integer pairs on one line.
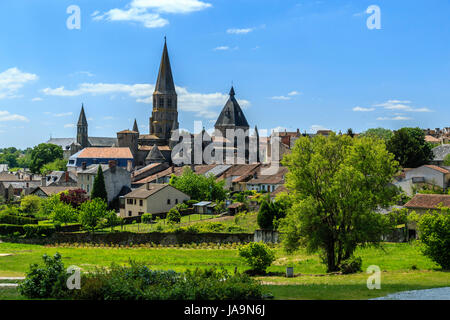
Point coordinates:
[[128, 238]]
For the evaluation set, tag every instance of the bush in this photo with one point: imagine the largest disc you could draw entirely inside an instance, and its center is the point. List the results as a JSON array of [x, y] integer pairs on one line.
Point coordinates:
[[258, 256], [434, 231], [352, 265], [146, 218], [34, 231], [30, 204], [265, 216], [48, 281], [17, 220], [174, 216], [10, 229]]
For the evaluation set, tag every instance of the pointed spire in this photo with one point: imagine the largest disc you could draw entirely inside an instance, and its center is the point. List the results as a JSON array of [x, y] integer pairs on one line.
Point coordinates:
[[155, 156], [164, 83], [82, 119], [135, 126], [232, 94]]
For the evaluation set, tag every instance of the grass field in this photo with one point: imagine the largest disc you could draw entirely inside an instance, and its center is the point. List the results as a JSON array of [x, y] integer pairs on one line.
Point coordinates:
[[403, 268]]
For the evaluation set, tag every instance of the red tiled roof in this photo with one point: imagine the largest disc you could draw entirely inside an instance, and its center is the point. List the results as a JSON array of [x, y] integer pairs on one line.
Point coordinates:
[[440, 169], [428, 201], [111, 153]]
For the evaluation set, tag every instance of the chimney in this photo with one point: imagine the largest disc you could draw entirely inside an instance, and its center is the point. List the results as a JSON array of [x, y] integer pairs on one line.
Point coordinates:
[[112, 165], [148, 185], [129, 166], [83, 165], [43, 181], [67, 176]]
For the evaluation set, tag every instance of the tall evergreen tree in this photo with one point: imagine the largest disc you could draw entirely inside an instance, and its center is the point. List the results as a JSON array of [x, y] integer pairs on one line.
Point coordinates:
[[99, 188]]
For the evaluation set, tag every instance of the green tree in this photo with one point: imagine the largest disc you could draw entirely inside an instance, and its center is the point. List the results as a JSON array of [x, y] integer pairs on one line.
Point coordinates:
[[173, 216], [112, 219], [30, 204], [99, 188], [258, 256], [337, 183], [380, 133], [410, 148], [43, 154], [447, 160], [92, 213], [434, 230], [265, 215], [48, 204], [57, 165], [64, 213]]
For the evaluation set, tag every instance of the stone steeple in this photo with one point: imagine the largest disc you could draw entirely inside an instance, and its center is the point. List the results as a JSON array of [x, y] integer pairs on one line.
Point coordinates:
[[232, 116], [135, 126], [82, 129], [165, 112]]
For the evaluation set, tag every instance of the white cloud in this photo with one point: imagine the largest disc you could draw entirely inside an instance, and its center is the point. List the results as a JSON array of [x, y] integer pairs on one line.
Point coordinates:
[[287, 97], [240, 31], [7, 116], [399, 105], [66, 114], [203, 104], [361, 109], [317, 127], [147, 12], [69, 125], [12, 80], [280, 98], [294, 93], [397, 118], [36, 99]]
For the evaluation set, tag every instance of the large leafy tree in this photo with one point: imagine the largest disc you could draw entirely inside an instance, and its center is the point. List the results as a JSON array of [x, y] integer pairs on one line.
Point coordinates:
[[43, 154], [99, 187], [92, 213], [74, 197], [57, 165], [64, 213], [380, 133], [199, 187], [410, 148], [337, 183]]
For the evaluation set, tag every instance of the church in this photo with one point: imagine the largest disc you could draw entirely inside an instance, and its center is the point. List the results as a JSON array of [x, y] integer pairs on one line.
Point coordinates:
[[158, 144]]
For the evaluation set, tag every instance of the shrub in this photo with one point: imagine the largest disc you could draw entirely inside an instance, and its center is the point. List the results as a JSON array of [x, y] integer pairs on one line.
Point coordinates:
[[258, 256], [434, 231], [34, 231], [17, 220], [146, 218], [173, 216], [30, 204], [48, 281], [10, 229], [265, 216], [74, 197], [351, 265]]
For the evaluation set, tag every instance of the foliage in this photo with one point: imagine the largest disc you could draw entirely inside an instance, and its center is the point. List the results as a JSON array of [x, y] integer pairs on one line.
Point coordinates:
[[258, 256], [431, 189], [265, 215], [64, 213], [15, 158], [380, 133], [337, 183], [434, 231], [43, 154], [74, 197], [447, 160], [199, 186], [56, 165], [410, 148], [36, 231], [99, 187], [270, 213], [138, 282], [9, 229], [48, 204], [112, 219], [174, 216], [146, 218], [30, 204], [15, 219], [91, 213], [48, 281], [351, 265]]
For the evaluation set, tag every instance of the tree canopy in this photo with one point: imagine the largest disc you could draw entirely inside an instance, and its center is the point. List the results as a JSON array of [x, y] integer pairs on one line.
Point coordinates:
[[410, 148], [337, 183], [99, 187], [43, 154], [198, 186], [380, 133]]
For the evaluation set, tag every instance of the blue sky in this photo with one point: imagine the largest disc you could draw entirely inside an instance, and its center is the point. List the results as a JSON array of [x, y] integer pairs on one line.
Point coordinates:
[[294, 64]]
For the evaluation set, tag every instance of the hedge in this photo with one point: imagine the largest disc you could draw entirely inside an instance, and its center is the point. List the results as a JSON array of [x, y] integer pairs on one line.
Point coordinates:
[[8, 229], [16, 220], [29, 230]]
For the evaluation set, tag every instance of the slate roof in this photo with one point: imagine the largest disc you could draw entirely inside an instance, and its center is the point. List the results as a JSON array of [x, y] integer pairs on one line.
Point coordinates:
[[428, 201], [155, 155], [82, 119], [440, 169], [103, 142], [232, 114], [440, 152], [164, 83], [64, 143], [146, 191]]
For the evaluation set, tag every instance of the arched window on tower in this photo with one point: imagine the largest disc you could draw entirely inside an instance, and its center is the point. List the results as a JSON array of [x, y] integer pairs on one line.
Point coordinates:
[[169, 102], [161, 102]]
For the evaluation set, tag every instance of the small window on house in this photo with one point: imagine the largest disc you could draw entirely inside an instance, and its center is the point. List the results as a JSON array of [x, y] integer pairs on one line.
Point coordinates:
[[129, 201], [168, 201], [141, 213], [176, 201], [88, 188], [141, 203], [130, 213], [134, 201]]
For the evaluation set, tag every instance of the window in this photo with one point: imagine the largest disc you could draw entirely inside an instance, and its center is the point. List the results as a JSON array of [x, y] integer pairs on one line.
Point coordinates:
[[169, 102], [129, 201], [176, 201], [168, 201], [141, 203], [88, 188], [130, 213], [134, 202], [161, 102], [141, 213]]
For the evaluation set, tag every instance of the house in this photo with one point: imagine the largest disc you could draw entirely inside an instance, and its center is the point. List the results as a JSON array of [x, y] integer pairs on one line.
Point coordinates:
[[152, 198], [421, 203], [235, 208], [266, 181], [439, 154], [95, 156], [45, 192], [432, 140], [430, 174], [204, 207], [117, 179], [18, 184], [59, 178]]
